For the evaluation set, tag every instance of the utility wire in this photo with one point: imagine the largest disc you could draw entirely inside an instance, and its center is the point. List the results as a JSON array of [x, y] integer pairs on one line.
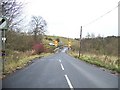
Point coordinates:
[[101, 16]]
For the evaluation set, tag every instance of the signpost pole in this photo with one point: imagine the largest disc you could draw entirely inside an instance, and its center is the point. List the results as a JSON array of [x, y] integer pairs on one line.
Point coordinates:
[[3, 48], [3, 28]]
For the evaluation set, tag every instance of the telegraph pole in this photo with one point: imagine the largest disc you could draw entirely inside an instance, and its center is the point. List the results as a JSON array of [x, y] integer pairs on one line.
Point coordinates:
[[80, 41]]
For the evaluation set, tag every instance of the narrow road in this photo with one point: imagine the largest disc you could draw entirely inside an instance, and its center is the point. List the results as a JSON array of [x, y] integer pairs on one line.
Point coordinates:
[[60, 71]]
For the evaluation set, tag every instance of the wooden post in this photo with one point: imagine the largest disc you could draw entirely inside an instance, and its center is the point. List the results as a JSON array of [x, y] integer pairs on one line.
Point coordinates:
[[80, 41]]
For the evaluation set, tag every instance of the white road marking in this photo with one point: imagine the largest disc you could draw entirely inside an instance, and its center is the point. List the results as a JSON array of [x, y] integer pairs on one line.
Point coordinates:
[[69, 83], [59, 60], [62, 66]]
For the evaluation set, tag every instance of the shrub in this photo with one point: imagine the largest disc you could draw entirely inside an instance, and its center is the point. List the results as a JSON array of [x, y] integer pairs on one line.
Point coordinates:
[[38, 48]]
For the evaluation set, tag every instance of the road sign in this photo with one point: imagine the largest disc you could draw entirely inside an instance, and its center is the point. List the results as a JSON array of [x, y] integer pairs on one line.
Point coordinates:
[[56, 43], [3, 23], [69, 44]]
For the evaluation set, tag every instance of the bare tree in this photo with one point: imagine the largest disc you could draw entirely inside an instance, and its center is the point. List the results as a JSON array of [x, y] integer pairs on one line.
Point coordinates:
[[88, 35], [11, 9], [92, 35], [38, 26]]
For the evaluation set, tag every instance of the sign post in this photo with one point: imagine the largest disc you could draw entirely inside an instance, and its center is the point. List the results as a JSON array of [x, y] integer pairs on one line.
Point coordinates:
[[3, 28], [69, 45]]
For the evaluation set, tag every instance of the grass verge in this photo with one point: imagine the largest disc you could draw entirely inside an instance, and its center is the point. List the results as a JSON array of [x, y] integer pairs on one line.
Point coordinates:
[[108, 62], [13, 65]]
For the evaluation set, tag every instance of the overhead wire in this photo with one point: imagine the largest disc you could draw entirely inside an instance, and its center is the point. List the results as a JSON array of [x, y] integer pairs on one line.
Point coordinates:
[[101, 16]]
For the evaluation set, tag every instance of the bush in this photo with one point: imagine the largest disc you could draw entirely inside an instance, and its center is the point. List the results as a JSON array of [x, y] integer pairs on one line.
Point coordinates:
[[38, 48]]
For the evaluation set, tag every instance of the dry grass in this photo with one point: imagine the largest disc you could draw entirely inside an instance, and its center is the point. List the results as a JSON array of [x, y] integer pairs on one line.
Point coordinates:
[[19, 60], [108, 62]]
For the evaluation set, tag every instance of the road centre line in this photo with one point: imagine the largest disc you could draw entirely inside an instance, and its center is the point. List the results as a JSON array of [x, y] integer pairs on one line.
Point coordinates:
[[62, 66], [69, 83], [66, 77], [59, 60]]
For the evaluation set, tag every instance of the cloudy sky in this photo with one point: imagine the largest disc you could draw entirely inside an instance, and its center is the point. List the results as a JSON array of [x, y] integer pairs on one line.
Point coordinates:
[[65, 17]]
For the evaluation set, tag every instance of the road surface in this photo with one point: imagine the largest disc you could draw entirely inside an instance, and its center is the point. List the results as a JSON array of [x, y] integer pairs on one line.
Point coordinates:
[[60, 71]]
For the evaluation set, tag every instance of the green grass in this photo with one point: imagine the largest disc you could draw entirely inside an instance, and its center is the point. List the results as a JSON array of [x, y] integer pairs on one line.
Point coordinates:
[[110, 62]]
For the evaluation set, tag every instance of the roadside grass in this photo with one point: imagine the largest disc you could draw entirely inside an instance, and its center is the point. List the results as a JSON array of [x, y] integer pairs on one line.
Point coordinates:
[[0, 67], [108, 62], [20, 61]]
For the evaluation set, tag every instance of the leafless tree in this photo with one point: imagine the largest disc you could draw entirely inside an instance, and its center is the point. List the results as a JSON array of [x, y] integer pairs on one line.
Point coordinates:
[[92, 35], [88, 35], [11, 9], [38, 26]]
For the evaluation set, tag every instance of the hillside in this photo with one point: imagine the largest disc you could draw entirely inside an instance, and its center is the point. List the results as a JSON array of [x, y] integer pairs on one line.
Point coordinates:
[[98, 45]]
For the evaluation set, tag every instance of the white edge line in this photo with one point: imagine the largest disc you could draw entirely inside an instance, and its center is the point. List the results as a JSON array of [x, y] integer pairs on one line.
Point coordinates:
[[68, 81], [62, 66]]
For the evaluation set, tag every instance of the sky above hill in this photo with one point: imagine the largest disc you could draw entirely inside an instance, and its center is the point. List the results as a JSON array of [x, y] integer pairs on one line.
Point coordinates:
[[65, 17]]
